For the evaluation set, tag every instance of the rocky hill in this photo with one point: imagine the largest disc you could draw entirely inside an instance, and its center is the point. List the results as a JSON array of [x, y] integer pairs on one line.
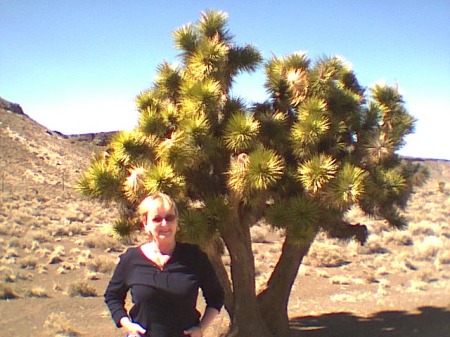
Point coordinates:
[[32, 156]]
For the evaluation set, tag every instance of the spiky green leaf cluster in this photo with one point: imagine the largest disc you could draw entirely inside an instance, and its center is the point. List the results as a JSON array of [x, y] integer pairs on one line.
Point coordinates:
[[300, 215], [259, 171], [317, 172], [240, 132], [347, 187], [101, 181], [194, 226]]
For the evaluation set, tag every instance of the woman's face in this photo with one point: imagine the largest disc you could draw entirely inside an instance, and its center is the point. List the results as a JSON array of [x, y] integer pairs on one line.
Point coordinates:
[[161, 223]]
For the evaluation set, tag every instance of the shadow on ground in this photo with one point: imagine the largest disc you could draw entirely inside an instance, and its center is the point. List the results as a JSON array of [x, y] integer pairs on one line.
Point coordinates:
[[427, 322]]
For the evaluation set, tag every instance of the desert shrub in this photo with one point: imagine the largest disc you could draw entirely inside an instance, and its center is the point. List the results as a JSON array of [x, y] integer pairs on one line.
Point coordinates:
[[341, 280], [424, 228], [443, 257], [28, 262], [371, 277], [382, 270], [7, 292], [373, 246], [102, 264], [403, 262], [57, 287], [41, 236], [57, 255], [259, 233], [60, 250], [92, 276], [17, 230], [325, 255], [78, 229], [22, 243], [76, 217], [66, 266], [445, 228], [7, 274], [83, 256], [417, 285], [37, 292], [59, 230], [58, 324], [428, 248], [402, 238], [104, 243], [427, 276], [11, 252], [4, 229], [42, 252], [81, 288], [25, 220]]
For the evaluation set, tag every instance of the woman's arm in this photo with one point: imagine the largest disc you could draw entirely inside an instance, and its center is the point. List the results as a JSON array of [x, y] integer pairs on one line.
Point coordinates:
[[209, 283], [116, 291], [212, 291], [208, 317]]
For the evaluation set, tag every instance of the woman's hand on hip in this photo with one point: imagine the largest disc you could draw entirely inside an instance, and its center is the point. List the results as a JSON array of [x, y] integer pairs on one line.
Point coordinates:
[[132, 328], [195, 331]]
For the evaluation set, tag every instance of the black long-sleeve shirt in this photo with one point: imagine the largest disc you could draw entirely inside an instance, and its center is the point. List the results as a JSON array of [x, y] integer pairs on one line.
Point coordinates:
[[164, 299]]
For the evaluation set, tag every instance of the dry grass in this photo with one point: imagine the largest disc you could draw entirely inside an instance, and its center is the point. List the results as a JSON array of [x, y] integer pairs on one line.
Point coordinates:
[[37, 292], [5, 229], [41, 236], [326, 254], [102, 264], [105, 243], [81, 288], [28, 262], [59, 325], [7, 292], [400, 238], [428, 248]]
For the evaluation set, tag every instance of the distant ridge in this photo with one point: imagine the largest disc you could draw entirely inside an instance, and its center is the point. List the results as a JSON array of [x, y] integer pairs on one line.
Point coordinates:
[[424, 159], [97, 139], [13, 107]]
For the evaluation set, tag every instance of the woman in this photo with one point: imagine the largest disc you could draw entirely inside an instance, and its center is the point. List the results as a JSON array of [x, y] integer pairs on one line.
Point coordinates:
[[164, 277]]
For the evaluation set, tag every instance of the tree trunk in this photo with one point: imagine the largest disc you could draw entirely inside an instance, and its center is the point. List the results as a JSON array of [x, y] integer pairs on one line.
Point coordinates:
[[274, 300], [246, 320], [214, 251]]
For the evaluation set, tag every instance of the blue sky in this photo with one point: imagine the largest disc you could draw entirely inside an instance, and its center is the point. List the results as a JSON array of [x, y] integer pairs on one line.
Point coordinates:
[[76, 66]]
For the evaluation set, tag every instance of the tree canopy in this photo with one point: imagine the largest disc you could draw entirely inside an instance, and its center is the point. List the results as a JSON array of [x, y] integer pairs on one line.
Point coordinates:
[[320, 144]]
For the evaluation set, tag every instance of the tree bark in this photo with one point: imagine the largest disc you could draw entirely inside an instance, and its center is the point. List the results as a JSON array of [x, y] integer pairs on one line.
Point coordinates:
[[274, 300], [246, 320], [214, 251]]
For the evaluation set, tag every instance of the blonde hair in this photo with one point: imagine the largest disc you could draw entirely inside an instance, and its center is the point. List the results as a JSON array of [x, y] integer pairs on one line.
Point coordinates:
[[149, 203]]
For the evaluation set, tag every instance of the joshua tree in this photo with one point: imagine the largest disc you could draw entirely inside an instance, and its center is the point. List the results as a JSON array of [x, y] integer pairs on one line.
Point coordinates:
[[318, 146]]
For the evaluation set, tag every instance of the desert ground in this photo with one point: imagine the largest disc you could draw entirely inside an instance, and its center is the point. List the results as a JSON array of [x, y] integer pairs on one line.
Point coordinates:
[[57, 253]]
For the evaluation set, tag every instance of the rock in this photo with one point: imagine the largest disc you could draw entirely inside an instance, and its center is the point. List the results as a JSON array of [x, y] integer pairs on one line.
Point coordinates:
[[13, 107]]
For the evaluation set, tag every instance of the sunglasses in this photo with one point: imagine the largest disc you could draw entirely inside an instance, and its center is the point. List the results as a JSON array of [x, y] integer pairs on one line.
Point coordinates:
[[167, 218]]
